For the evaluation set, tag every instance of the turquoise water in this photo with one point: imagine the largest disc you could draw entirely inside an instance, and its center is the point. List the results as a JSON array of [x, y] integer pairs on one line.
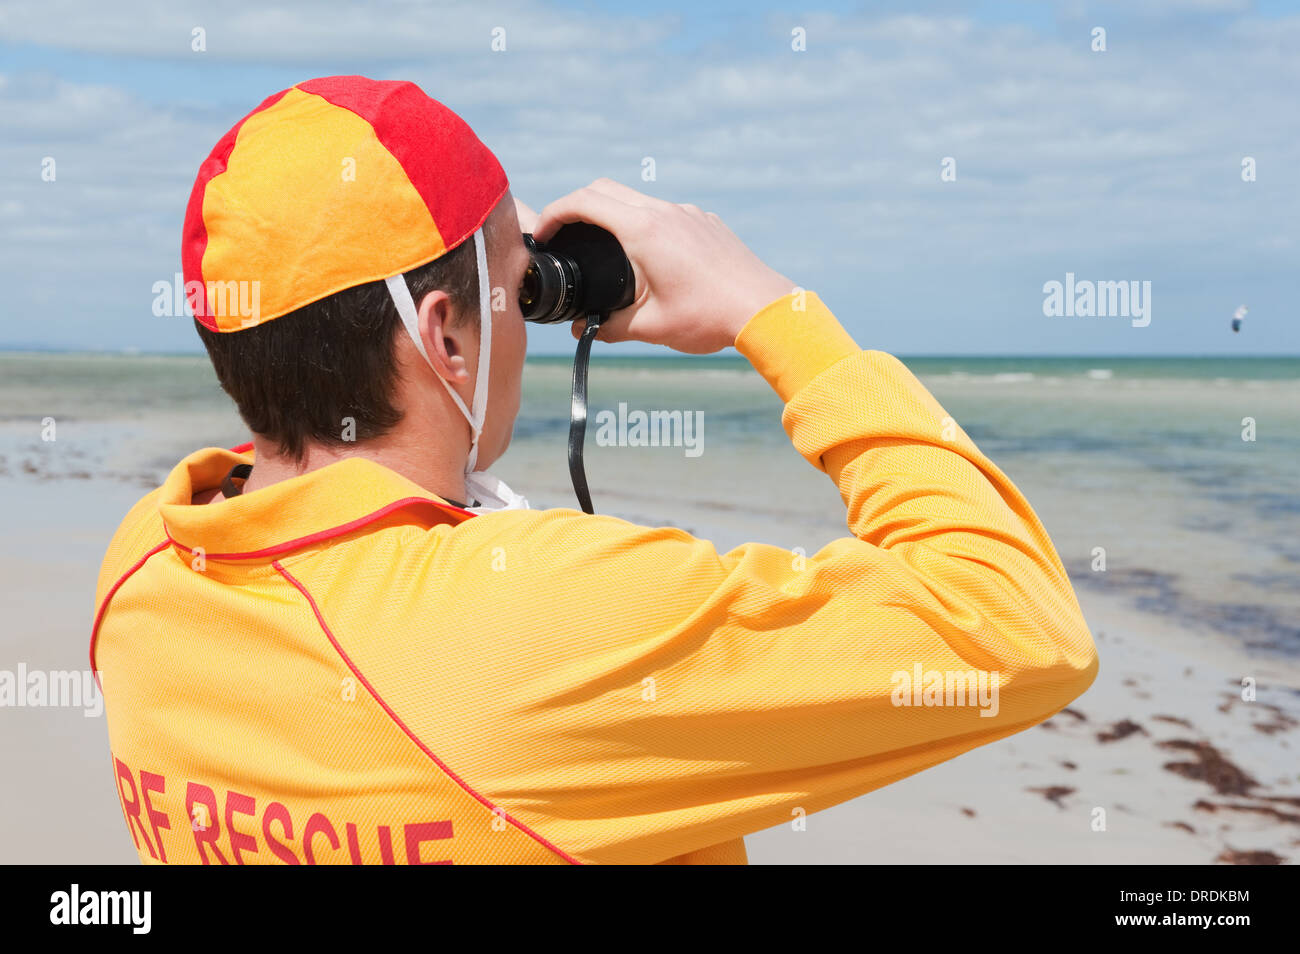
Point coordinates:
[[93, 384], [1141, 457], [1209, 367]]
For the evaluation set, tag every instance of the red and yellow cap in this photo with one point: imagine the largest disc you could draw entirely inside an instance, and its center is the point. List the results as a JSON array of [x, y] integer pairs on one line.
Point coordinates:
[[329, 184]]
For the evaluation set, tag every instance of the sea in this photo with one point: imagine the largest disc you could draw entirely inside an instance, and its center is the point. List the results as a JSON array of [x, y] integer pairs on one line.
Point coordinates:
[[1171, 482]]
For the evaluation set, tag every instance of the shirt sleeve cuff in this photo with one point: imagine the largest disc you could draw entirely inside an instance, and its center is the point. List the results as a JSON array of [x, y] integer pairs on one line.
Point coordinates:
[[790, 345]]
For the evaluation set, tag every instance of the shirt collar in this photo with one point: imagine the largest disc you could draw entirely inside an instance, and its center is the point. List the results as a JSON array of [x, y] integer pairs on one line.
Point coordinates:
[[291, 514]]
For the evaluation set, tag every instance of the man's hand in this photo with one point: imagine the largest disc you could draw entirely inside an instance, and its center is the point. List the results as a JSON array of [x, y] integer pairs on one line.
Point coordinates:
[[527, 217], [697, 284]]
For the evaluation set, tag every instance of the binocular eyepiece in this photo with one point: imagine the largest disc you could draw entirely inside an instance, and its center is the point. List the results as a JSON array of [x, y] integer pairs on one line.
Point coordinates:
[[581, 271]]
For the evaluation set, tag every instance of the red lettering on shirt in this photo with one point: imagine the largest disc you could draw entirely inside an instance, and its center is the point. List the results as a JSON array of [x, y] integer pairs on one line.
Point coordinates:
[[131, 809], [209, 832]]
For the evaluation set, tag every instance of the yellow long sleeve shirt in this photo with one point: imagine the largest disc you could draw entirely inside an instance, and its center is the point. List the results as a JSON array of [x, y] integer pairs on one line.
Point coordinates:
[[344, 668]]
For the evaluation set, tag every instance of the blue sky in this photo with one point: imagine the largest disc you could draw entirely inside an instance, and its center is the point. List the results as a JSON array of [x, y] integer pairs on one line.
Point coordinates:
[[1115, 166]]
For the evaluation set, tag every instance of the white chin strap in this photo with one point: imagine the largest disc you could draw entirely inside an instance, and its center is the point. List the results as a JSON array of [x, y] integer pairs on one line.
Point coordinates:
[[401, 295]]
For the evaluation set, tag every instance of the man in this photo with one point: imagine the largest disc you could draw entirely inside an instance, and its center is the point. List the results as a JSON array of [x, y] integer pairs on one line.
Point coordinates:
[[346, 643]]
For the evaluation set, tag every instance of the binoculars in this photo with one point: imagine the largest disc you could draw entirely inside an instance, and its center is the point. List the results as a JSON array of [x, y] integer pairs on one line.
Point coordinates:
[[581, 271]]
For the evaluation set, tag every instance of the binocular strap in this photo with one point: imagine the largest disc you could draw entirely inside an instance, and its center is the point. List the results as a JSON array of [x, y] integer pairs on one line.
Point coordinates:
[[578, 412]]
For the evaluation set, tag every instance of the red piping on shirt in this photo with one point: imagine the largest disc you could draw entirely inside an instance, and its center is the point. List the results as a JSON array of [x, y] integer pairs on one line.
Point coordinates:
[[94, 629], [324, 534], [267, 551], [402, 725]]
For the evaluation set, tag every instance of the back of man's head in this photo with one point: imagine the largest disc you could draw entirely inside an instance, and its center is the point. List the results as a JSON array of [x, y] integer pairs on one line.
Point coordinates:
[[298, 216]]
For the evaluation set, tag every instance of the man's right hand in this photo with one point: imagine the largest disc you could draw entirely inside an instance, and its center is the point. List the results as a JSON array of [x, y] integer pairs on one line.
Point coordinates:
[[697, 284]]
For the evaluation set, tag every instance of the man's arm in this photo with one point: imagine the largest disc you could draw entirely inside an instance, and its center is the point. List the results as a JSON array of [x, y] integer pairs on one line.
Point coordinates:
[[632, 694]]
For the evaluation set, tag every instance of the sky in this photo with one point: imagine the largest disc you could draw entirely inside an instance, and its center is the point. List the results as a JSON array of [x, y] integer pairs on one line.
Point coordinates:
[[1116, 165]]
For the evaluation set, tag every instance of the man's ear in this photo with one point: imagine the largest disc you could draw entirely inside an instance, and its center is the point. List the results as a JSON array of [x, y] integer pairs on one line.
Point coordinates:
[[446, 346]]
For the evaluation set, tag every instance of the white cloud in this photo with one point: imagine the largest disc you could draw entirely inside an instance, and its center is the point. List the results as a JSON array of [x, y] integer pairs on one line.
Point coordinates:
[[313, 31], [828, 160]]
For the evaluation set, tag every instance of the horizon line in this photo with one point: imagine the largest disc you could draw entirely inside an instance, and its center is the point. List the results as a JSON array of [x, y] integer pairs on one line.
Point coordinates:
[[658, 356]]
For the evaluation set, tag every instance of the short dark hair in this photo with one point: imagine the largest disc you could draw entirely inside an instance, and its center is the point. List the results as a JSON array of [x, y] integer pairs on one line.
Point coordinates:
[[296, 378]]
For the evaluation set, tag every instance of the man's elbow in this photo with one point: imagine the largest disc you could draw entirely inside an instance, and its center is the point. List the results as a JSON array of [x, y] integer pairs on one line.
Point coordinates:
[[1070, 672], [1080, 672]]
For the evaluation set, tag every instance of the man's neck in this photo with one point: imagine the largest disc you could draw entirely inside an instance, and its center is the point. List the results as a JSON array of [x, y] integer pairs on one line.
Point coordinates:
[[421, 463]]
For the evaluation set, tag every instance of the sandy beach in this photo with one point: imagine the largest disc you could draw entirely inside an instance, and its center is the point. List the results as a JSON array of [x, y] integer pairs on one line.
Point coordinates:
[[1185, 772]]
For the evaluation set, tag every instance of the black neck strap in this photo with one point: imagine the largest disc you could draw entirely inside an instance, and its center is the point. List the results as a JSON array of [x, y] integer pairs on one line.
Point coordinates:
[[240, 472], [578, 412]]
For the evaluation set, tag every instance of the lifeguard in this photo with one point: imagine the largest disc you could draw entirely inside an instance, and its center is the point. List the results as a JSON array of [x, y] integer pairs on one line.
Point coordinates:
[[314, 641]]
